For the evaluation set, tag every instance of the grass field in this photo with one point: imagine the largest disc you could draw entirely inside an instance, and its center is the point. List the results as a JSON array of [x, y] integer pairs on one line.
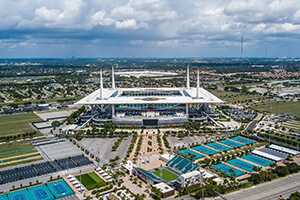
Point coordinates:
[[224, 94], [21, 162], [16, 124], [166, 174], [276, 107], [295, 125], [91, 181]]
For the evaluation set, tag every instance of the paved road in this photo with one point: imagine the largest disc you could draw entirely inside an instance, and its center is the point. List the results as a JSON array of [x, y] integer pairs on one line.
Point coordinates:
[[254, 122], [268, 191]]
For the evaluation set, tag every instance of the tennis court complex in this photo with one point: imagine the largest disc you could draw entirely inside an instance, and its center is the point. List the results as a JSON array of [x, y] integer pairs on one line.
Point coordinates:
[[50, 191], [60, 189], [242, 165], [188, 153], [242, 140], [231, 143], [91, 180], [226, 169], [258, 160], [165, 174], [205, 150], [218, 146]]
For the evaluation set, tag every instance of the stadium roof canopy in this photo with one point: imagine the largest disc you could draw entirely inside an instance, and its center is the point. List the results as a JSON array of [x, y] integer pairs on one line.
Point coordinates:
[[149, 95]]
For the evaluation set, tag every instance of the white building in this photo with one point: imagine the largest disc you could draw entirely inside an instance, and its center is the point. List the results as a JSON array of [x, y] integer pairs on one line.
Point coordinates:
[[149, 106]]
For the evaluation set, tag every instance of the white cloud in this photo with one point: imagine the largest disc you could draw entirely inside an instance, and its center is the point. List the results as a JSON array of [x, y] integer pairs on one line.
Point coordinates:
[[158, 22], [127, 24]]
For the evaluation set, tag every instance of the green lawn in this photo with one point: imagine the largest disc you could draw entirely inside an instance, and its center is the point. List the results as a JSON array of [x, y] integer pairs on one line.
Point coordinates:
[[16, 124], [91, 181], [295, 125], [276, 107], [224, 93], [166, 174]]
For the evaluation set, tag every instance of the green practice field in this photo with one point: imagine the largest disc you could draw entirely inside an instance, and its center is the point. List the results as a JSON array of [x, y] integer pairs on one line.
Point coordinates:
[[17, 124], [91, 181], [166, 174], [294, 125], [276, 107]]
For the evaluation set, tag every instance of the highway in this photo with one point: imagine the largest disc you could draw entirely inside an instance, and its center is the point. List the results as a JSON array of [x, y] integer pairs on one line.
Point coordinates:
[[268, 191]]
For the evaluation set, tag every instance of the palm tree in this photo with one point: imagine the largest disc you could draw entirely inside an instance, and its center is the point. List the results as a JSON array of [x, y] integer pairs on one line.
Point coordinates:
[[231, 172], [256, 169]]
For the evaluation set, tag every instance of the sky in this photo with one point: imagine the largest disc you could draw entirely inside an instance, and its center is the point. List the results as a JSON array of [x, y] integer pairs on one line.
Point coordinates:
[[149, 28]]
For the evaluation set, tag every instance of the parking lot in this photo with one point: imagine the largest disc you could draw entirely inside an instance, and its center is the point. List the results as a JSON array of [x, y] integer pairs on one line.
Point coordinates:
[[103, 146], [40, 169], [25, 172], [60, 150], [175, 141], [72, 162], [49, 115]]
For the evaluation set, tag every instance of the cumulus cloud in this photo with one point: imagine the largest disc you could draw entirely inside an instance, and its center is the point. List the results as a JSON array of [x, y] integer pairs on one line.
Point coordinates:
[[160, 23], [129, 23]]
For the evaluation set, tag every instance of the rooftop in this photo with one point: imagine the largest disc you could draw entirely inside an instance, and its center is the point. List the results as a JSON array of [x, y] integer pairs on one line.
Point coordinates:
[[149, 95], [163, 187]]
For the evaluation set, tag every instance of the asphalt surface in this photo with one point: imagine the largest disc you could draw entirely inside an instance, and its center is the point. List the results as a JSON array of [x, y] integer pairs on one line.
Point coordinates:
[[175, 141], [252, 124], [268, 191], [103, 146]]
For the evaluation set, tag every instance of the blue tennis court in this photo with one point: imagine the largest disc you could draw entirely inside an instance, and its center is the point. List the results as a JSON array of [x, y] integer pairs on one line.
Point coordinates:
[[60, 189], [205, 150], [41, 193], [218, 146], [54, 190], [258, 160], [241, 164], [188, 152], [231, 143], [242, 140], [226, 168], [3, 197], [19, 195]]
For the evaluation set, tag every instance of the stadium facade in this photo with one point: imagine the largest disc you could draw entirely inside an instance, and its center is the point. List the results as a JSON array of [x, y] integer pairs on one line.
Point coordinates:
[[144, 107]]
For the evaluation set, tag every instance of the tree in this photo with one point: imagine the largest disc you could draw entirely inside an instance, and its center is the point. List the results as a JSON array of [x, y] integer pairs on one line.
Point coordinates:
[[282, 171], [231, 172], [256, 178], [293, 167], [294, 196], [256, 169]]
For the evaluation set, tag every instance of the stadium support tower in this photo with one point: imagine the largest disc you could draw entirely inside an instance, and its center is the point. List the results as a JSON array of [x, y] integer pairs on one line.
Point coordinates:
[[144, 107]]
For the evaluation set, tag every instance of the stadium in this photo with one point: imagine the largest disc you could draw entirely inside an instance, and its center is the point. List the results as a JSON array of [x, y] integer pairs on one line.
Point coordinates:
[[144, 107]]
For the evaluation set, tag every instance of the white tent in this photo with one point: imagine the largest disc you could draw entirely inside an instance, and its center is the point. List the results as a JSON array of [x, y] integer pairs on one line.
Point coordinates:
[[105, 174], [98, 169], [69, 176], [78, 185], [101, 172], [75, 182], [72, 179], [108, 177]]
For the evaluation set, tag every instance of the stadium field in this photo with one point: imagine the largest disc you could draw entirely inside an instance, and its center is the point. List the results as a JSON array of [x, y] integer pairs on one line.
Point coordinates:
[[166, 174], [91, 180]]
